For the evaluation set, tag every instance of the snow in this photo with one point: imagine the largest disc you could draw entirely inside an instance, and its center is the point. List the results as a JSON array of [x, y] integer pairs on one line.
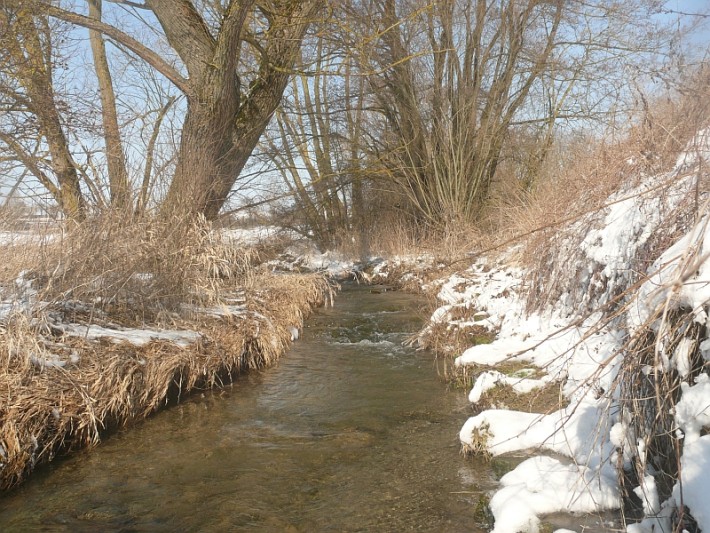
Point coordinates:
[[330, 263], [218, 311], [303, 256], [648, 494], [575, 451], [135, 336], [697, 151], [25, 299], [679, 278], [579, 339], [542, 485], [45, 359], [695, 487], [692, 412], [14, 238], [572, 432], [6, 308], [251, 236]]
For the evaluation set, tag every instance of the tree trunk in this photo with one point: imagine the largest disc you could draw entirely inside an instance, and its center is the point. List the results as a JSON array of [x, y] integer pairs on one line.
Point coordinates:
[[34, 73], [205, 159], [223, 126], [115, 158]]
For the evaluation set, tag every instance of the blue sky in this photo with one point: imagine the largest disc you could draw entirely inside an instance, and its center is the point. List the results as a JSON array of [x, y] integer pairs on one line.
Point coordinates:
[[701, 38]]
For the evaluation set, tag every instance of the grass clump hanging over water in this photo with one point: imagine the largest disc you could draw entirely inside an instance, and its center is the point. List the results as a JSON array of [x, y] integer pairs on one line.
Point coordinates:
[[106, 322]]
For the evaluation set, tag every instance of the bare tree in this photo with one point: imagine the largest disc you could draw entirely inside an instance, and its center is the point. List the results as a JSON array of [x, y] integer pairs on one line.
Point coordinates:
[[454, 78], [319, 141], [115, 157], [306, 149], [429, 95], [231, 60], [29, 95]]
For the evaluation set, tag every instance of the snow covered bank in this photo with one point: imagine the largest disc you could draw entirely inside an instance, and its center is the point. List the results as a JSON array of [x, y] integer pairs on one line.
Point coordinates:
[[615, 309], [409, 271]]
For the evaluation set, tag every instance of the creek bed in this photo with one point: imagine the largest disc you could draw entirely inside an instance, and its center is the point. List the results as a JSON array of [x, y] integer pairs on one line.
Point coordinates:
[[351, 431]]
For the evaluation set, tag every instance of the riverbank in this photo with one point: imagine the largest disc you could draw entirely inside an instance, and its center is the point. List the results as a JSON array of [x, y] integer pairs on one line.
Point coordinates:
[[76, 364], [584, 348], [606, 316]]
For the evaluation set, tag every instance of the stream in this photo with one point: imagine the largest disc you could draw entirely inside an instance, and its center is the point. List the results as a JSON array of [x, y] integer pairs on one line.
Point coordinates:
[[350, 431]]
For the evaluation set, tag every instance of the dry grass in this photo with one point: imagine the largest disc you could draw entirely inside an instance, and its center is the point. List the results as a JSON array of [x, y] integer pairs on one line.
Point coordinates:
[[553, 217], [398, 237], [569, 197], [649, 385], [154, 265], [543, 400], [479, 443], [451, 339], [44, 411], [579, 173], [47, 409]]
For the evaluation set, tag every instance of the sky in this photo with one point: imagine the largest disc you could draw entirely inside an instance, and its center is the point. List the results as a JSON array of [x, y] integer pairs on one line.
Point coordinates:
[[701, 38]]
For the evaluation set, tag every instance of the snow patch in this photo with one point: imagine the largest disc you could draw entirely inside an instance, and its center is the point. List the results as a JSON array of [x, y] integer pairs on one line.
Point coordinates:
[[543, 485], [137, 337]]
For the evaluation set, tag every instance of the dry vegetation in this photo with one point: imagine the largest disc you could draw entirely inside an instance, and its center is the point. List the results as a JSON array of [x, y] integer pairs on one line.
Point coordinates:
[[579, 172], [154, 265], [568, 201], [139, 275], [544, 400], [392, 238], [550, 219], [461, 330]]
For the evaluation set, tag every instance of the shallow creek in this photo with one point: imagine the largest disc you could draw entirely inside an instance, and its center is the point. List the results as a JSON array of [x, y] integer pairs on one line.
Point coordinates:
[[350, 431]]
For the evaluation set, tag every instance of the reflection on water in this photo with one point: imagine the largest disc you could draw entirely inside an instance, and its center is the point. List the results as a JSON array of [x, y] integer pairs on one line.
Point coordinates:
[[351, 431]]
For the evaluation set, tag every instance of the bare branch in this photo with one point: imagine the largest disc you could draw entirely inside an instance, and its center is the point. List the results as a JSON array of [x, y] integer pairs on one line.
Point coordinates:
[[129, 4], [145, 53], [187, 33]]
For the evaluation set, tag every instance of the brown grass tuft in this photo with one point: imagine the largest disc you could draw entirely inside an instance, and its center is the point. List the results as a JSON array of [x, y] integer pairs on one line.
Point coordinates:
[[153, 264], [543, 400]]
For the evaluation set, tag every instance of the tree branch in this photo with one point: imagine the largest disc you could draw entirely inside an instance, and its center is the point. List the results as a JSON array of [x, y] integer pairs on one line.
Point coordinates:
[[145, 53], [30, 163], [129, 4], [186, 32]]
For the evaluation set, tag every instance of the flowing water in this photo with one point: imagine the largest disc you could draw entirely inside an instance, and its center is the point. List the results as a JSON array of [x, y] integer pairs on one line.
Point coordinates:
[[351, 431]]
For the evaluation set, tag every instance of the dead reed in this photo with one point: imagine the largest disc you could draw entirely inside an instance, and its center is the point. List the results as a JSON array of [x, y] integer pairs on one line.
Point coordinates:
[[59, 393]]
